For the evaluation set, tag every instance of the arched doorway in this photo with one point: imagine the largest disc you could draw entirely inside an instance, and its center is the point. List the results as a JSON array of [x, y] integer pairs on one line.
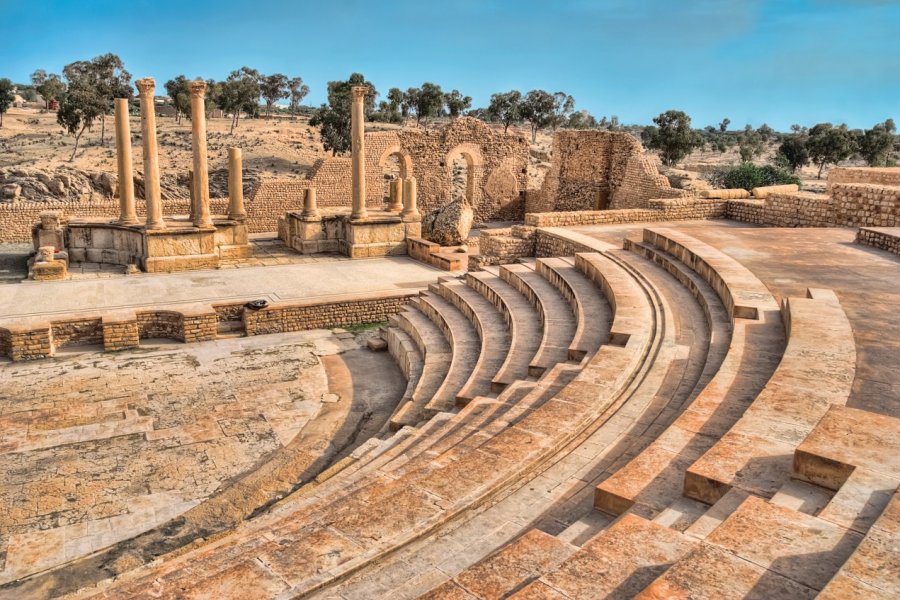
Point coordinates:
[[393, 163], [463, 164]]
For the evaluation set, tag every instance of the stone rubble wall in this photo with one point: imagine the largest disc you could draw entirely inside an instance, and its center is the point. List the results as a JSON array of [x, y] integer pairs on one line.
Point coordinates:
[[657, 210], [590, 165]]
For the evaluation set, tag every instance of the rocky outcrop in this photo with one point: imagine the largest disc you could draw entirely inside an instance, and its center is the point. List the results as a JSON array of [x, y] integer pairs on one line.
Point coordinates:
[[450, 225], [29, 184]]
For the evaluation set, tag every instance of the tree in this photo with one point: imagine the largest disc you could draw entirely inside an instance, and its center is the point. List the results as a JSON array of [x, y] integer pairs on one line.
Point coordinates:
[[723, 126], [239, 93], [52, 88], [877, 145], [794, 152], [273, 88], [674, 137], [410, 101], [828, 144], [506, 108], [334, 118], [751, 144], [539, 109], [429, 102], [80, 107], [6, 97], [456, 103], [108, 79], [297, 91], [177, 89], [581, 119], [564, 105]]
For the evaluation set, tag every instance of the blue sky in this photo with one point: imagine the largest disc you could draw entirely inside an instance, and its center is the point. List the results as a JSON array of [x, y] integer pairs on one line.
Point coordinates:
[[754, 61]]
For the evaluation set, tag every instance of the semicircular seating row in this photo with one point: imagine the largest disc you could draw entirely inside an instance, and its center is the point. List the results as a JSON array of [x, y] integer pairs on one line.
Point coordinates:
[[517, 371]]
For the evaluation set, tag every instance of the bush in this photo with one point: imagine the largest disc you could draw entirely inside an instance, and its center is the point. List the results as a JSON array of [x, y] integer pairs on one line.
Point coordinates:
[[749, 176]]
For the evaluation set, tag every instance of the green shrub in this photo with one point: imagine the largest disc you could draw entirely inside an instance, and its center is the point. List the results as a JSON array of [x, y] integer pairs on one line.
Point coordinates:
[[749, 176]]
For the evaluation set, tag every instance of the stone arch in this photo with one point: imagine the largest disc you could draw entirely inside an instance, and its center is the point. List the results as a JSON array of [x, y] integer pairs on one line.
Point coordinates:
[[393, 163], [474, 160]]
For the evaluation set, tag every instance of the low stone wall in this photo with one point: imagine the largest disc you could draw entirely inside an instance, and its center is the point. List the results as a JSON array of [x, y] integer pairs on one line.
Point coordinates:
[[325, 314], [122, 330], [659, 210], [865, 175], [548, 243], [881, 239]]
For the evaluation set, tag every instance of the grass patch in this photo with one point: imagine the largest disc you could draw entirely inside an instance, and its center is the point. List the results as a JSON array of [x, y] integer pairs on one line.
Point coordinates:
[[360, 327]]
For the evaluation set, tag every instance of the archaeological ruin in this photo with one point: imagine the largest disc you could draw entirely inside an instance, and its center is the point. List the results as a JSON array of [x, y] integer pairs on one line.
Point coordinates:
[[601, 386]]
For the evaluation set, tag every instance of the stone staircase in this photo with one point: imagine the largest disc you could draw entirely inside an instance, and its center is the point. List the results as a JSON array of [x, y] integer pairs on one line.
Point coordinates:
[[645, 422]]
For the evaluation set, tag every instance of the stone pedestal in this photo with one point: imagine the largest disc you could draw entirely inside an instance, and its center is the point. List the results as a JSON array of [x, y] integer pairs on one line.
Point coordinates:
[[410, 209], [127, 213], [396, 196], [146, 87]]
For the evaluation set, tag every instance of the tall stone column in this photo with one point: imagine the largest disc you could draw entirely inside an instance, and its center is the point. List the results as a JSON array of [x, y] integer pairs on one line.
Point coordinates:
[[358, 151], [396, 203], [145, 87], [200, 216], [410, 210], [127, 214], [236, 185]]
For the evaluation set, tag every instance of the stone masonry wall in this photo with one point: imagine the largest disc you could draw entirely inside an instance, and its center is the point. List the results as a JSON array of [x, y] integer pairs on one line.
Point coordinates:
[[657, 210], [601, 169], [873, 176], [884, 240]]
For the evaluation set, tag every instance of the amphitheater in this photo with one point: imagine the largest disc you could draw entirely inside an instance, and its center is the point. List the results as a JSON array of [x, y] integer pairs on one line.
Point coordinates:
[[628, 392]]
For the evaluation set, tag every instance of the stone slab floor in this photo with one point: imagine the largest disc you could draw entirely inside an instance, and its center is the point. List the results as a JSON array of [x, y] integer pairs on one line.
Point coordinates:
[[98, 447], [320, 277], [865, 279]]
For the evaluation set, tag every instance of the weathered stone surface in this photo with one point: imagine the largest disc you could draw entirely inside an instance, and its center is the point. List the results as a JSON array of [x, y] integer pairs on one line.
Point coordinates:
[[450, 225]]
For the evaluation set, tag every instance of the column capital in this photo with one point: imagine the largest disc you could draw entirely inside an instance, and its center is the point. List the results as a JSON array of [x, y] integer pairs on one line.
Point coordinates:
[[360, 91], [146, 86], [198, 88]]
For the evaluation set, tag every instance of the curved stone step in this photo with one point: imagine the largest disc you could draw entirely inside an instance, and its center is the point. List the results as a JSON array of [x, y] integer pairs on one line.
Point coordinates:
[[523, 320], [408, 357], [556, 315], [593, 314], [492, 329], [437, 359], [465, 343]]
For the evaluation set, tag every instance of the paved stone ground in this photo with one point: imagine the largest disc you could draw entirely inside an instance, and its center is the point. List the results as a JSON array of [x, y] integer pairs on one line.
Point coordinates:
[[866, 280], [97, 447], [322, 276]]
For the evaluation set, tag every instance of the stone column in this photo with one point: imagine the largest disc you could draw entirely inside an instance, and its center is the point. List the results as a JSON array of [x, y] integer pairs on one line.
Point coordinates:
[[396, 203], [310, 208], [127, 214], [410, 211], [145, 88], [358, 151], [200, 216], [236, 185]]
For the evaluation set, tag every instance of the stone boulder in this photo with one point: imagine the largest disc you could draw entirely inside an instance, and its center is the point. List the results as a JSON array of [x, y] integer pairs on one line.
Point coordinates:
[[450, 225]]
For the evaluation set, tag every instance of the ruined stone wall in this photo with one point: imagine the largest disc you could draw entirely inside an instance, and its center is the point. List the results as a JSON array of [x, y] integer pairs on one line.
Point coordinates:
[[874, 176], [601, 169], [497, 164], [73, 332]]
